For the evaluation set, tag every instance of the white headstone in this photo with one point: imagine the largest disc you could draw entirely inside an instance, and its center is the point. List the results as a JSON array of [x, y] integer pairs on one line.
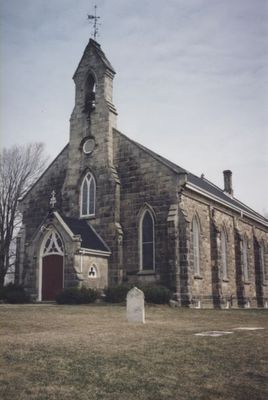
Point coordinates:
[[135, 306]]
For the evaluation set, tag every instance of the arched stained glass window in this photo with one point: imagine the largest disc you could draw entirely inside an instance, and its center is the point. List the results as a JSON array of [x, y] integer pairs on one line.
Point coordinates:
[[264, 270], [196, 246], [147, 241], [53, 244], [224, 268], [88, 195], [245, 259]]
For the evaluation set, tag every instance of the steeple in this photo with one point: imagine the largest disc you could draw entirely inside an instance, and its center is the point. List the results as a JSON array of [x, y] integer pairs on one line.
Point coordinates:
[[93, 90], [93, 118], [97, 48]]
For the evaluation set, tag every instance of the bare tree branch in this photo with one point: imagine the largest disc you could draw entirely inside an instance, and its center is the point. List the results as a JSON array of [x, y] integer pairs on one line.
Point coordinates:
[[20, 166]]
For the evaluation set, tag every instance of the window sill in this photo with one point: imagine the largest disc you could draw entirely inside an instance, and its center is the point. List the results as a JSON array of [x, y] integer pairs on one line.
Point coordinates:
[[146, 272], [88, 216], [196, 276]]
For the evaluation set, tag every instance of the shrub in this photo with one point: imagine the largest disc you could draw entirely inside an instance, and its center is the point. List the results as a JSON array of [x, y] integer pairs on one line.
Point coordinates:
[[2, 293], [152, 293], [156, 294], [116, 294], [14, 294], [77, 295]]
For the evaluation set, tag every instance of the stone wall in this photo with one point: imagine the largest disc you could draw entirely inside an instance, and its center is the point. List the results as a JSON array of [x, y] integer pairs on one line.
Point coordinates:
[[145, 183], [211, 287], [261, 266], [84, 263], [199, 286]]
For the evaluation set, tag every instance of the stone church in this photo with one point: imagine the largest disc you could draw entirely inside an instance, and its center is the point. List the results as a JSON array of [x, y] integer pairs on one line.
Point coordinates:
[[109, 210]]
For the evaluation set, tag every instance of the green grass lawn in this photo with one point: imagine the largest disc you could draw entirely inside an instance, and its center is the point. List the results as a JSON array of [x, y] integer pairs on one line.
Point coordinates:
[[91, 352]]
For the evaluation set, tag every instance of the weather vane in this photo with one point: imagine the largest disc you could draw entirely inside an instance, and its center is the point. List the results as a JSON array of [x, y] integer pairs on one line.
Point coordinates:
[[94, 18]]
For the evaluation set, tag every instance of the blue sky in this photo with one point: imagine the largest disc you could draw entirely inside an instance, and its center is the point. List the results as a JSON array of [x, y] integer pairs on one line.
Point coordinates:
[[191, 79]]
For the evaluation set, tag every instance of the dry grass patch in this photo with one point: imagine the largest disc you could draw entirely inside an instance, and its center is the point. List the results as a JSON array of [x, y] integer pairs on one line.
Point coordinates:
[[91, 352]]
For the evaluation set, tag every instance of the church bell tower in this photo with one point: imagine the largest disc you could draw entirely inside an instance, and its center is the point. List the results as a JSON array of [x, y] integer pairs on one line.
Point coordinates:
[[91, 152], [92, 121]]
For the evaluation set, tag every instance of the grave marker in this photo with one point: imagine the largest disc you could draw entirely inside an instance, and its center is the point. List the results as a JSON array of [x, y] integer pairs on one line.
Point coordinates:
[[135, 306]]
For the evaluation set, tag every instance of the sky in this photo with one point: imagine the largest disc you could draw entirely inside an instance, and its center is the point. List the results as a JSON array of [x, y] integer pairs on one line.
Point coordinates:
[[191, 82]]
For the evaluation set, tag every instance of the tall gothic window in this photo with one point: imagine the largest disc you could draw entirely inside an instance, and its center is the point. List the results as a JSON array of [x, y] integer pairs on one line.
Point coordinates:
[[263, 268], [88, 196], [196, 246], [147, 241], [224, 270], [245, 259]]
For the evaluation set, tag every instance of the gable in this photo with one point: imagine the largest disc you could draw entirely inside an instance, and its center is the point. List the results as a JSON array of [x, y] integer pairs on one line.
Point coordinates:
[[153, 156]]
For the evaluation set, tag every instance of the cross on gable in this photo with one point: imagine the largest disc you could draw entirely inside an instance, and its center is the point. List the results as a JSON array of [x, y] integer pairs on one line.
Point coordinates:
[[53, 199]]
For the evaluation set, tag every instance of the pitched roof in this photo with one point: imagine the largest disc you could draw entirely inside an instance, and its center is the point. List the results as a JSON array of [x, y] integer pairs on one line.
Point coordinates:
[[214, 190], [101, 54], [90, 239], [206, 187]]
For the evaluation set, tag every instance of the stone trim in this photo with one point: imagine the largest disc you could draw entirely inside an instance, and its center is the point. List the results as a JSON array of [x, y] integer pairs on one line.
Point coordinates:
[[94, 252], [146, 272]]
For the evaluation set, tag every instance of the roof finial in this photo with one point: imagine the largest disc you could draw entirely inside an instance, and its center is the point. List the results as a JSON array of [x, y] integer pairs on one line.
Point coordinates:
[[95, 23]]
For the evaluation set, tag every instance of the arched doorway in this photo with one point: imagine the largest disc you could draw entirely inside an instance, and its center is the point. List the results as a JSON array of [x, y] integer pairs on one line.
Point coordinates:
[[52, 266]]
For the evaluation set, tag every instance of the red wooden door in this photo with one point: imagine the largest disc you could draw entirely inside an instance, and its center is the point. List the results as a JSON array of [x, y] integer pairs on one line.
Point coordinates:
[[52, 276]]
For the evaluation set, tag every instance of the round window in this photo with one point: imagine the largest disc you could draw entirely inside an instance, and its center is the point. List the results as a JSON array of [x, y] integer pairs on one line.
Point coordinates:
[[89, 146]]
